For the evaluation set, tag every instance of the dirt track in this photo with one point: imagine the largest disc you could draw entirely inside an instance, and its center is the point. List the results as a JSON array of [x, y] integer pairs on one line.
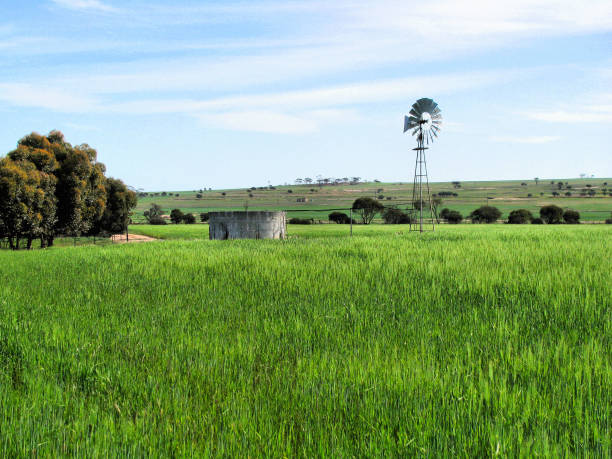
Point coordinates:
[[132, 238]]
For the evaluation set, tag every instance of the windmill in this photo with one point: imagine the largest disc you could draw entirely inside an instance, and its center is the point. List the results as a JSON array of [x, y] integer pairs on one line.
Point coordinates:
[[424, 119]]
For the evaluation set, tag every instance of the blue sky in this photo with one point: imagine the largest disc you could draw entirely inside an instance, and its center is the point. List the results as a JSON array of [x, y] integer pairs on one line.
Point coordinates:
[[182, 95]]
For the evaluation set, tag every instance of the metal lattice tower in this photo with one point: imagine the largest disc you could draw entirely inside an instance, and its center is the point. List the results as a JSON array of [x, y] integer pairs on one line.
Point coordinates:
[[425, 120]]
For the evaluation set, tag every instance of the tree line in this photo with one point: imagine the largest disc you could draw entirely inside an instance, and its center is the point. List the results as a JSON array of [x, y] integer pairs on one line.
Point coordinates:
[[49, 188], [367, 208]]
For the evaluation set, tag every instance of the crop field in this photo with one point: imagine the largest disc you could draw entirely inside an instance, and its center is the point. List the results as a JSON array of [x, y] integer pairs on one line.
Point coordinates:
[[506, 195], [475, 340]]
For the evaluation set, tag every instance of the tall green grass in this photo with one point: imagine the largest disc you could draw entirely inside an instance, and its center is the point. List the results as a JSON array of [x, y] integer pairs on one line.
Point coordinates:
[[473, 340]]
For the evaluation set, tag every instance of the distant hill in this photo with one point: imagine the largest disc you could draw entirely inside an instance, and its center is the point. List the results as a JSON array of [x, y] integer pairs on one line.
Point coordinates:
[[591, 197]]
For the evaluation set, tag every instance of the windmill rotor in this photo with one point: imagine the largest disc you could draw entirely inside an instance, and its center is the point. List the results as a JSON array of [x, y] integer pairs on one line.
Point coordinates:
[[424, 119]]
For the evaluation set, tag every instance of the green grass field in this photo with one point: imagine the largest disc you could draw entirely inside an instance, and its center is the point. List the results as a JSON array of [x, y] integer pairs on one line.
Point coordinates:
[[475, 340], [506, 195]]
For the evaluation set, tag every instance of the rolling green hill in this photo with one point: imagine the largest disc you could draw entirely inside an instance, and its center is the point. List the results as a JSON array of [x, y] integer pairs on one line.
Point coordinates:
[[506, 195]]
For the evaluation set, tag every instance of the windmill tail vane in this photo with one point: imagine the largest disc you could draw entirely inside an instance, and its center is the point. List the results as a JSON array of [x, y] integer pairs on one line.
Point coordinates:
[[425, 120]]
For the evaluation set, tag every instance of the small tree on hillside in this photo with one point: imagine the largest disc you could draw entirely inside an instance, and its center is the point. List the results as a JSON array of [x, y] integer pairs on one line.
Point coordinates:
[[176, 216], [339, 217], [520, 216], [189, 219], [155, 212], [394, 216], [454, 217], [367, 208], [204, 216], [571, 217], [551, 214], [485, 214]]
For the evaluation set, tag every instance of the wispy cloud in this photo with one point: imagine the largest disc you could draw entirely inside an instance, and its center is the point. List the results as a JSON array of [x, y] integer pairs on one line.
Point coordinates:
[[92, 5], [56, 99], [586, 114], [526, 140]]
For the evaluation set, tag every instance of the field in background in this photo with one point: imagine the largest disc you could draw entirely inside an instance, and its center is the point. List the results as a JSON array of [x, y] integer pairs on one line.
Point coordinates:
[[474, 340], [506, 195]]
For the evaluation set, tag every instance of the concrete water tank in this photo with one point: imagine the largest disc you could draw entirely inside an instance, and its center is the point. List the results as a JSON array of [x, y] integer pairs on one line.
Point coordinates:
[[247, 225]]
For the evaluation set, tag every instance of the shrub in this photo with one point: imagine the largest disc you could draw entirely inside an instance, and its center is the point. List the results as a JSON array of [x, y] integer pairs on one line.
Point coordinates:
[[444, 213], [551, 214], [339, 217], [571, 217], [176, 216], [454, 217], [154, 212], [520, 216], [289, 191], [537, 221], [204, 216], [223, 193], [395, 216], [189, 219], [485, 214], [301, 221], [157, 220], [199, 196]]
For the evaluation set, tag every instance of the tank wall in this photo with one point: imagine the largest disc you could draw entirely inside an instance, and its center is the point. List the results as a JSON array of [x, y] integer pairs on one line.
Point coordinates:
[[247, 225]]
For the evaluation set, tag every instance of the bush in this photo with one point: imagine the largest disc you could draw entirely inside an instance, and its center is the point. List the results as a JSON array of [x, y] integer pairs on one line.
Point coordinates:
[[444, 213], [394, 216], [189, 219], [454, 217], [157, 220], [154, 212], [301, 221], [551, 214], [485, 214], [199, 196], [571, 217], [537, 221], [609, 221], [204, 216], [339, 217], [289, 191], [520, 217], [176, 216]]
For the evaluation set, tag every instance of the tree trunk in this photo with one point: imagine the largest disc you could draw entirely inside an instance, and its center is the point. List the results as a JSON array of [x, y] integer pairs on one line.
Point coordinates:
[[11, 242], [43, 242], [29, 245], [50, 241]]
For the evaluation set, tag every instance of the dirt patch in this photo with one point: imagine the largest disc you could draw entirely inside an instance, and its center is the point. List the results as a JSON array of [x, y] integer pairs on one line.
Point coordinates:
[[121, 238]]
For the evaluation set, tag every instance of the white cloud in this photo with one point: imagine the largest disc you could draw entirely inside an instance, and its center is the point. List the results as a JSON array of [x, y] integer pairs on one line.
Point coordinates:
[[586, 114], [260, 121], [56, 99], [94, 5], [333, 96], [526, 140]]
